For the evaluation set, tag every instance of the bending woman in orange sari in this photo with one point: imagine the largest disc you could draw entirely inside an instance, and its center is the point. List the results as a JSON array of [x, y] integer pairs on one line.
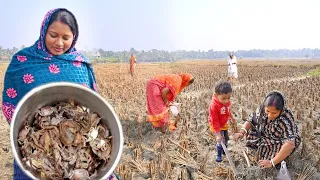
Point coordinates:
[[132, 64], [161, 92]]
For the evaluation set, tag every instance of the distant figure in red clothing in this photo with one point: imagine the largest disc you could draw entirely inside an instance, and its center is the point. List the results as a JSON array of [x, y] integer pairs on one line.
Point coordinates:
[[219, 114], [132, 64]]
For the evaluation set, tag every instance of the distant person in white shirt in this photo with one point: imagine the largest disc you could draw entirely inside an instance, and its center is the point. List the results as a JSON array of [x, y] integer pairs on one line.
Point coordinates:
[[232, 67]]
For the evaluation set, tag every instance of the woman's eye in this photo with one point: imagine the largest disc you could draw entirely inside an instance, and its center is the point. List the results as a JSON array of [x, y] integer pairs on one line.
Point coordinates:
[[66, 38]]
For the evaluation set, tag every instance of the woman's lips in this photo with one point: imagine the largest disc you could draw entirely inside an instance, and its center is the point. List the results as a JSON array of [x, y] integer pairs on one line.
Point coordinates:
[[58, 49]]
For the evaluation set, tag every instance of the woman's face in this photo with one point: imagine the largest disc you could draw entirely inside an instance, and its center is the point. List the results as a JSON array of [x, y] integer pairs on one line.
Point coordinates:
[[59, 38], [272, 112]]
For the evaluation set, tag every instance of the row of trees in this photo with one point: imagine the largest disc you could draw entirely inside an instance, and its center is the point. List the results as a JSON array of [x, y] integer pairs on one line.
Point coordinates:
[[154, 55]]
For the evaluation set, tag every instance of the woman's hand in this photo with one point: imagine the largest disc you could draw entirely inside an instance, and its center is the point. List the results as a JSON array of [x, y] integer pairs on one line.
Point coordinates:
[[264, 164], [237, 136]]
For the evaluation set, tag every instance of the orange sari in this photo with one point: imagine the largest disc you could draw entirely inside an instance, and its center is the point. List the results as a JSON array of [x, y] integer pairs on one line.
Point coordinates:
[[158, 112], [132, 64]]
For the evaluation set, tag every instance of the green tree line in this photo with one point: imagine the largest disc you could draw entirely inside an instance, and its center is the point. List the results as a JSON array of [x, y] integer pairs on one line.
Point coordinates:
[[154, 55]]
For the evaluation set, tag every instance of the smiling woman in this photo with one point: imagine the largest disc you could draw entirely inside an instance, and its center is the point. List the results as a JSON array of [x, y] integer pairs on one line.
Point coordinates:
[[62, 29], [52, 58]]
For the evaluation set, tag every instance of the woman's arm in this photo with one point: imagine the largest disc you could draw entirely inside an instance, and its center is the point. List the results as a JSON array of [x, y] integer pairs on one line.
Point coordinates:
[[289, 137], [247, 125], [243, 131], [164, 94], [284, 152]]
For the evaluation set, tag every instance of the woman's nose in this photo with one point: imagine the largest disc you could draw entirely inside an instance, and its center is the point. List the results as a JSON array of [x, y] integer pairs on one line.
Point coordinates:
[[269, 116], [59, 42]]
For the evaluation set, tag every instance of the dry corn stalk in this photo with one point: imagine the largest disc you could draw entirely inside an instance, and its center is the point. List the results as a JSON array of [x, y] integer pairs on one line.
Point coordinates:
[[140, 136], [156, 145], [137, 152], [130, 145], [203, 164], [184, 174], [204, 177], [240, 149], [244, 115], [177, 158], [145, 147], [307, 172], [160, 161], [246, 157], [225, 172], [180, 146], [234, 127], [163, 144], [184, 144], [136, 165], [168, 168], [121, 169], [303, 134], [128, 175], [152, 170], [124, 172]]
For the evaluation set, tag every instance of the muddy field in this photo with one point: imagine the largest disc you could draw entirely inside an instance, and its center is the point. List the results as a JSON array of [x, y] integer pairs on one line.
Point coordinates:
[[189, 152]]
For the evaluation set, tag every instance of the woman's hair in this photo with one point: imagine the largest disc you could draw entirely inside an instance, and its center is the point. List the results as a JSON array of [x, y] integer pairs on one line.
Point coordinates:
[[65, 17], [223, 87], [275, 100]]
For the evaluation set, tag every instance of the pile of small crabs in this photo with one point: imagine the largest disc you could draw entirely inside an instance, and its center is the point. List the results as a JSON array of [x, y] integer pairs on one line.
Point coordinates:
[[65, 141]]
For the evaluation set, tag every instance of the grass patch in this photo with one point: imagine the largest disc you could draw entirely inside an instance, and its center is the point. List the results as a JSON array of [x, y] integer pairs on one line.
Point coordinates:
[[315, 72]]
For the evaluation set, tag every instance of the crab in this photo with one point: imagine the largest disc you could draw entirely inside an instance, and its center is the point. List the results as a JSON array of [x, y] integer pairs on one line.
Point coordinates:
[[92, 135], [68, 130], [46, 111], [102, 148], [23, 133], [103, 131], [57, 119], [69, 154], [84, 158]]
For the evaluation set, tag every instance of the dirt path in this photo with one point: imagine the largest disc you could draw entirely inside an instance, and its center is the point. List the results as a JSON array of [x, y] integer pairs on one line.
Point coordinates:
[[6, 157]]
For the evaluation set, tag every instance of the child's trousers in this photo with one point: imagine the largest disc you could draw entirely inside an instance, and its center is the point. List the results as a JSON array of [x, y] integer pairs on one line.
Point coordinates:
[[225, 138]]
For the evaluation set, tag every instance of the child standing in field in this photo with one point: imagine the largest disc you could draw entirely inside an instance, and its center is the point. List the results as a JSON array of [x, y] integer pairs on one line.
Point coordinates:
[[219, 114]]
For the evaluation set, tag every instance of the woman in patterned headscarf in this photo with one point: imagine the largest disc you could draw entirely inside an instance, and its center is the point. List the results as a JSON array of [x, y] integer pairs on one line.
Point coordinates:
[[273, 132], [161, 92], [52, 58]]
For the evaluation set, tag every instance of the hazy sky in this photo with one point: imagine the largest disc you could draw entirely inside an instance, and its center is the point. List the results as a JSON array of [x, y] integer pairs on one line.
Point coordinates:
[[172, 24]]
